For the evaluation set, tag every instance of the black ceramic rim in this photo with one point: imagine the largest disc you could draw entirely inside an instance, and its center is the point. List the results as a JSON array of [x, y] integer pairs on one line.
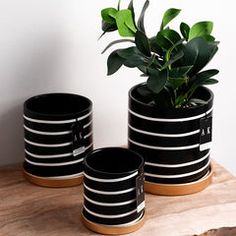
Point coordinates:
[[83, 105], [118, 152], [170, 113]]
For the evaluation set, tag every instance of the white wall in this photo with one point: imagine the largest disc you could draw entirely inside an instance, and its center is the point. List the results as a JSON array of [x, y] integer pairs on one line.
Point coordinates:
[[51, 46]]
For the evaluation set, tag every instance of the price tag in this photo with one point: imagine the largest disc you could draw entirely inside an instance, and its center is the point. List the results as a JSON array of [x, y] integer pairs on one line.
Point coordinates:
[[78, 151], [140, 192], [205, 133], [78, 139]]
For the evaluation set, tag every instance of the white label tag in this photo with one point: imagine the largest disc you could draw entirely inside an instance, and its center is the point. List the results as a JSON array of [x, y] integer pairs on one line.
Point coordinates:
[[205, 146], [141, 206], [78, 151]]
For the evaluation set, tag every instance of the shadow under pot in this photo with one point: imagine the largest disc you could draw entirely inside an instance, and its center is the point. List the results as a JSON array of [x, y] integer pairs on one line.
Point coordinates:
[[113, 191], [57, 135], [175, 143]]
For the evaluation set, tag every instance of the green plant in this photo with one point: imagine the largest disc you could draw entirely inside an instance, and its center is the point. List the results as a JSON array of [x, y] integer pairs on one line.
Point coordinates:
[[173, 62]]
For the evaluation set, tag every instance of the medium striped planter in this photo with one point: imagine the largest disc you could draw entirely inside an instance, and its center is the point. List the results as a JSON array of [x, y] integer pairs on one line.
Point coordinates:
[[58, 135], [113, 191], [174, 142]]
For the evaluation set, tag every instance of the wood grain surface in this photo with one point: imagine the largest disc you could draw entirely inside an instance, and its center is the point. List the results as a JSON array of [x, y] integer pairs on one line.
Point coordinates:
[[29, 210]]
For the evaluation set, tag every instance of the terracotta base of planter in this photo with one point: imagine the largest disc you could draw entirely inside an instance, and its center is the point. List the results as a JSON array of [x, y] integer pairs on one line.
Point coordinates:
[[111, 230], [54, 183], [179, 189]]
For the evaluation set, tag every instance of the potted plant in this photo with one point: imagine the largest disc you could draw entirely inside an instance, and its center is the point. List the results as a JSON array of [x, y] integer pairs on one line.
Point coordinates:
[[170, 116]]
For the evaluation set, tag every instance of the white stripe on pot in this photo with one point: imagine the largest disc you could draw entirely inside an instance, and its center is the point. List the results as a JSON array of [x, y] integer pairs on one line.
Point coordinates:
[[109, 204], [57, 121], [55, 156], [178, 176], [171, 120], [165, 148], [109, 192], [53, 133], [111, 180], [178, 165], [90, 122], [54, 145], [87, 135], [48, 156], [54, 164], [109, 216], [63, 176], [164, 135], [47, 145], [47, 133]]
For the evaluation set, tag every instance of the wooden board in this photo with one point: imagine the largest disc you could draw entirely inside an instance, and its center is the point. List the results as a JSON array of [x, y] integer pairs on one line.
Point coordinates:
[[29, 210]]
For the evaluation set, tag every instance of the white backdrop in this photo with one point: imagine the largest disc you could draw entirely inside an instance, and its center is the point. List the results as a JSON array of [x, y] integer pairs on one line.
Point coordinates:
[[51, 46]]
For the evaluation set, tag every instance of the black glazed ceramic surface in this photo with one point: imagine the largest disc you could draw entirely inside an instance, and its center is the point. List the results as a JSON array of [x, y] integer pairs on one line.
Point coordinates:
[[113, 187], [175, 143], [57, 134]]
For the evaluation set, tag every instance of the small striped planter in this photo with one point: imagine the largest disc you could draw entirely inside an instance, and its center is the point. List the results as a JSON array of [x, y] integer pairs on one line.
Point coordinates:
[[174, 142], [58, 135], [113, 191]]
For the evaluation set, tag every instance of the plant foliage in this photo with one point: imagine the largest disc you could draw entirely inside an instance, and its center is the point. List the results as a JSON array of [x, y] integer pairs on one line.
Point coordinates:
[[172, 61]]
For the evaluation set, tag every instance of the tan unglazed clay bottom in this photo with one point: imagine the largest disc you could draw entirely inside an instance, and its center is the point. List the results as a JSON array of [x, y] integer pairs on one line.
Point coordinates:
[[54, 183], [111, 230], [179, 189]]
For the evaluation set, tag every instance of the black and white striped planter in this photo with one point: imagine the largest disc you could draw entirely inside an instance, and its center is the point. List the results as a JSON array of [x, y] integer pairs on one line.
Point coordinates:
[[58, 135], [175, 143], [113, 191]]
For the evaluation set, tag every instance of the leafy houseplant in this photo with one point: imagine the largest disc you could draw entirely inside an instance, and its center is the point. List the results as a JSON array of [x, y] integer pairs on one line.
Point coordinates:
[[171, 61], [170, 115]]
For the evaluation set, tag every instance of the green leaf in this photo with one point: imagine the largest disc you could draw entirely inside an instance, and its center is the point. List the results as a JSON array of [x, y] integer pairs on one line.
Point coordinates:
[[109, 14], [142, 43], [107, 27], [144, 91], [169, 15], [155, 47], [177, 82], [172, 60], [131, 8], [209, 38], [207, 74], [127, 52], [132, 57], [184, 29], [198, 52], [210, 81], [143, 69], [117, 41], [157, 80], [167, 38], [140, 23], [134, 61], [200, 29], [114, 62], [125, 24], [179, 71], [164, 98], [174, 47], [118, 6], [202, 78]]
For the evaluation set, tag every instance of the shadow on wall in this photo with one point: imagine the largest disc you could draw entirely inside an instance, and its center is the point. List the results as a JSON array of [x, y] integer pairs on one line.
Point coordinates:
[[32, 69]]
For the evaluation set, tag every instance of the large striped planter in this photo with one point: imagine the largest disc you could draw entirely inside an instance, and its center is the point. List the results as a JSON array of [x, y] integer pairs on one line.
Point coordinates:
[[174, 142], [58, 135], [113, 191]]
